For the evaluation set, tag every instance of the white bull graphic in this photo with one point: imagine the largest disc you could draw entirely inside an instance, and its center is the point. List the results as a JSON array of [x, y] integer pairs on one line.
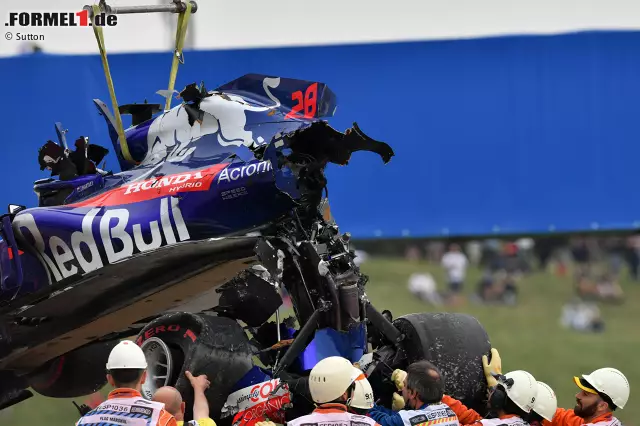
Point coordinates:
[[171, 137]]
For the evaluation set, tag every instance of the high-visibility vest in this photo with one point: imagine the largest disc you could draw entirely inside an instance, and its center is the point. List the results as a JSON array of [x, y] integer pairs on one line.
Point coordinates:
[[431, 415], [611, 421], [509, 421], [334, 415], [132, 411]]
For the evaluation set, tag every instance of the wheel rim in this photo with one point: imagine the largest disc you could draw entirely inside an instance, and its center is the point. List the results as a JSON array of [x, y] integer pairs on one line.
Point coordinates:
[[159, 366]]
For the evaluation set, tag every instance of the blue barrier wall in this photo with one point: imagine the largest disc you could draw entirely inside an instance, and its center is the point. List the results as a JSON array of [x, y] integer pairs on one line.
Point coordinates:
[[514, 134]]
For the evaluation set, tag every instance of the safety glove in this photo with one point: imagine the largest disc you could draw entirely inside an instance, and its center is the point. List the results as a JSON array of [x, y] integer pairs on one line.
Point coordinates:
[[491, 368], [267, 423], [397, 402], [397, 377]]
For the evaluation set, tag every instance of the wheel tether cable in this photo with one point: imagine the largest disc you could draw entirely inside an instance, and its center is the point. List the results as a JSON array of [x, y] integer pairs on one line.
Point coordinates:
[[97, 30], [181, 31]]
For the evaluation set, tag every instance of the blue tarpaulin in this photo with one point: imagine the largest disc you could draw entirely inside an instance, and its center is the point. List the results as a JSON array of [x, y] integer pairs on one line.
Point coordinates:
[[329, 342], [501, 135]]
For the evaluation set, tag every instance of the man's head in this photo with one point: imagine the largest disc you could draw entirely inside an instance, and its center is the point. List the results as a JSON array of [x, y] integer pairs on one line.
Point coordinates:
[[332, 380], [172, 401], [423, 385], [127, 366], [454, 247], [515, 393], [602, 391]]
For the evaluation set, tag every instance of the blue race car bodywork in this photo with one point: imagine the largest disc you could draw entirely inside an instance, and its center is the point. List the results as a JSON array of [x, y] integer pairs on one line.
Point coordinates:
[[166, 251], [206, 176]]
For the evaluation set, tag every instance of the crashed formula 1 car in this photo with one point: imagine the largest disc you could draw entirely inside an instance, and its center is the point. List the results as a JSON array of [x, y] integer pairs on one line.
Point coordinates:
[[189, 250]]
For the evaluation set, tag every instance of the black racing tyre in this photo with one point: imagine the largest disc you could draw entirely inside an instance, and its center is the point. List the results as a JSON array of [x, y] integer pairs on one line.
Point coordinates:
[[201, 344], [455, 343], [77, 373]]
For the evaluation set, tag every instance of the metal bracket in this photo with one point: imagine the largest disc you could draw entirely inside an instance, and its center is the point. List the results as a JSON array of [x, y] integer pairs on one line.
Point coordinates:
[[176, 6], [299, 342]]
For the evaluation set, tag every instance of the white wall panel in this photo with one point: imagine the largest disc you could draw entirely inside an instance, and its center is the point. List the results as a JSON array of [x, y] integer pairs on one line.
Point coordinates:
[[230, 24]]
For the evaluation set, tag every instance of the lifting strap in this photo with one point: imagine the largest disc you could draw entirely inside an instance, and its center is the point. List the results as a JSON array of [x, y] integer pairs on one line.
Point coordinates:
[[181, 31], [97, 30]]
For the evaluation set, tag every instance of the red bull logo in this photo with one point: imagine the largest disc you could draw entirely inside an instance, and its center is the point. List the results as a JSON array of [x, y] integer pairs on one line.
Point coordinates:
[[79, 251]]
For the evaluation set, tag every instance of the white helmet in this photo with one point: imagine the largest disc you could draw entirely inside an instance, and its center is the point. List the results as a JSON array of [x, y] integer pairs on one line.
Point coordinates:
[[523, 390], [331, 378], [126, 354], [608, 381], [546, 402], [363, 394]]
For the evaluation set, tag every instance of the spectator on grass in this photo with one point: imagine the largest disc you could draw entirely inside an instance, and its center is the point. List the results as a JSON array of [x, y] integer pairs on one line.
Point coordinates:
[[455, 264], [586, 288], [413, 254], [508, 289], [424, 287], [510, 258], [609, 290], [544, 249], [491, 254], [361, 257], [474, 251], [497, 288], [580, 316], [581, 256], [633, 256], [486, 289], [605, 289], [434, 250], [614, 247]]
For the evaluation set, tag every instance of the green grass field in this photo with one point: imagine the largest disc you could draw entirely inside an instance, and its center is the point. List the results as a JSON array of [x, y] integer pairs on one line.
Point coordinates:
[[528, 336]]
